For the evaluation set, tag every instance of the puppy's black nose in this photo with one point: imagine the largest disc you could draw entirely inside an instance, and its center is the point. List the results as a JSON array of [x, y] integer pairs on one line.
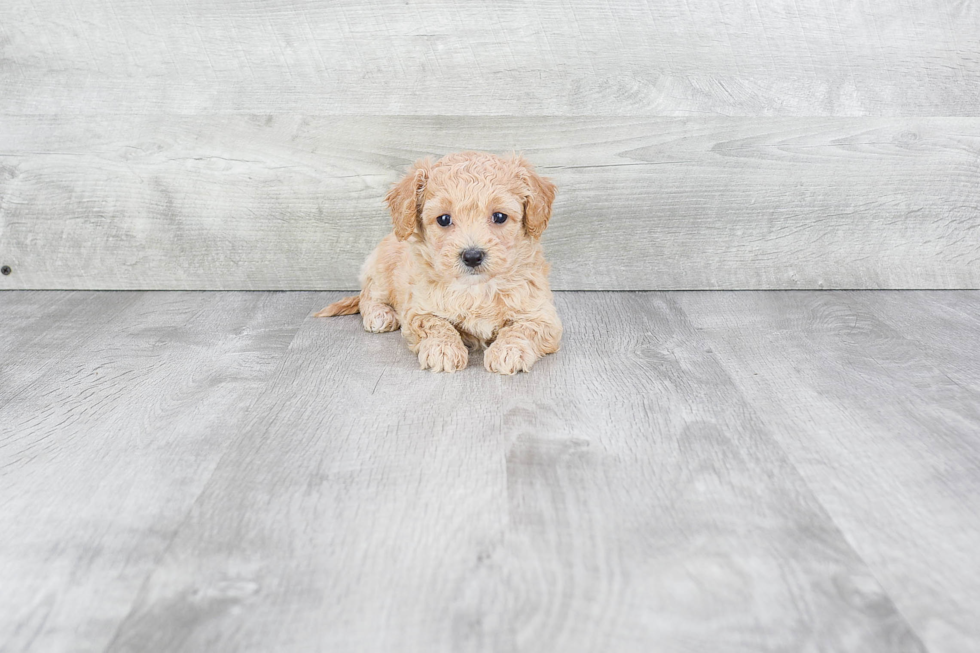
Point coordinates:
[[473, 257]]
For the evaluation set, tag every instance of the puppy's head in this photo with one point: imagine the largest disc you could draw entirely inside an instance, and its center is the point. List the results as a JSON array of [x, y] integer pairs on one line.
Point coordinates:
[[471, 215]]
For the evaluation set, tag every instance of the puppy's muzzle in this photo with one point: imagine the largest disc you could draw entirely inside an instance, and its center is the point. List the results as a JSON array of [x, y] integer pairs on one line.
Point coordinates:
[[472, 257]]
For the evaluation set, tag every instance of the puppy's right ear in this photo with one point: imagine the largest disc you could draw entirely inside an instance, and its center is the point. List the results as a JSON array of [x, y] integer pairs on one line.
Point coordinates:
[[405, 200]]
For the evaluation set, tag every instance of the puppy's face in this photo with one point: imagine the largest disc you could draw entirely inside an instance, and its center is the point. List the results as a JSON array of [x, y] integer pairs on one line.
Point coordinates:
[[471, 214], [471, 225]]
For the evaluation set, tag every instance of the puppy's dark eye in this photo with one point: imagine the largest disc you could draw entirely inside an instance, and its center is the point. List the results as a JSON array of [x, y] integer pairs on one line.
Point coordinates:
[[500, 218], [444, 220]]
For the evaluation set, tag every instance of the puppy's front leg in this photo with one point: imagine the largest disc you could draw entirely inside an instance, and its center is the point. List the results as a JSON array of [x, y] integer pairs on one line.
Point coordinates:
[[436, 342], [521, 343]]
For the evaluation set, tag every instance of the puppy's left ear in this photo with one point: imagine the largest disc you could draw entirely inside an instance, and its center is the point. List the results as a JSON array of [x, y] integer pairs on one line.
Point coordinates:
[[538, 198]]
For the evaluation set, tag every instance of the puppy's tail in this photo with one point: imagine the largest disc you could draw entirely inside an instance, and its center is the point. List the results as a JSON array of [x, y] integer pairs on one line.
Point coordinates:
[[345, 306]]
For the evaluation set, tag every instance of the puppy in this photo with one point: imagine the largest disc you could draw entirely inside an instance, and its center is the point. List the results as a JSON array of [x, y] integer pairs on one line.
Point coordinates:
[[464, 268]]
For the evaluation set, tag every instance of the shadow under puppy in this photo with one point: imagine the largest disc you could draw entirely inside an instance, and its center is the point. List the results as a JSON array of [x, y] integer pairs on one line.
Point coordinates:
[[464, 267]]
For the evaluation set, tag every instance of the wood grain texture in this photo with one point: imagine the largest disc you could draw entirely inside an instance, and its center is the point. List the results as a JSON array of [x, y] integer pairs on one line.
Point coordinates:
[[622, 496], [692, 472], [39, 330], [875, 397], [293, 202], [109, 439], [435, 57]]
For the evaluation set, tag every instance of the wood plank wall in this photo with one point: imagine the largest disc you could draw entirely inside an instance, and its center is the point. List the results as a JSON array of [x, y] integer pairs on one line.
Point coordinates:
[[697, 144]]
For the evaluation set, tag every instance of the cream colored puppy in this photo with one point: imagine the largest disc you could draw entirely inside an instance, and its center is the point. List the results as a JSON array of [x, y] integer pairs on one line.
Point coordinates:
[[464, 267]]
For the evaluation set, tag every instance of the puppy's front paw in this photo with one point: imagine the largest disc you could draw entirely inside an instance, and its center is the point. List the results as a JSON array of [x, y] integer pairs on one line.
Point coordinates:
[[508, 357], [443, 354]]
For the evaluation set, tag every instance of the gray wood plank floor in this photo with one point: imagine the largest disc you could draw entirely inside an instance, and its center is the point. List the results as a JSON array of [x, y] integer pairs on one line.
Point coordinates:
[[751, 471]]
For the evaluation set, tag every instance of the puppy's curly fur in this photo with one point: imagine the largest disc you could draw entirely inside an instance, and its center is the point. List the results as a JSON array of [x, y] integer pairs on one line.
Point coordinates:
[[418, 279]]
